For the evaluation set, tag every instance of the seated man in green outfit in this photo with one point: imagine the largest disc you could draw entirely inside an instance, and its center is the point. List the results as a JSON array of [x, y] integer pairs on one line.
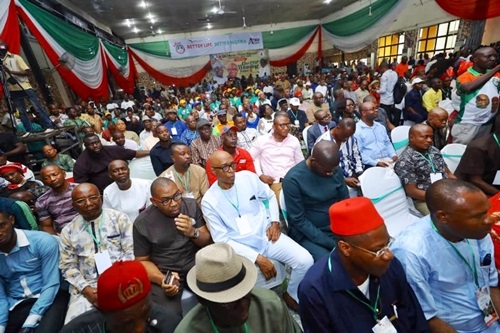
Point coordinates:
[[224, 283], [52, 157]]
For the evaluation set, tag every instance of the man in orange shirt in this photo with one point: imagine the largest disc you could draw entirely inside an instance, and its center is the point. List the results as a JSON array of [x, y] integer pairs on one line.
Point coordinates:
[[402, 67]]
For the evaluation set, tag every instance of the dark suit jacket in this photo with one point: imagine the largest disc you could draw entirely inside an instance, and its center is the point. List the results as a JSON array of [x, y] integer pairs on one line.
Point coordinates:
[[314, 132]]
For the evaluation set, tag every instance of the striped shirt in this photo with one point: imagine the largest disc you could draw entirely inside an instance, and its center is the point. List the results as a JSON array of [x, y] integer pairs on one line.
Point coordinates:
[[350, 159], [56, 206], [200, 150]]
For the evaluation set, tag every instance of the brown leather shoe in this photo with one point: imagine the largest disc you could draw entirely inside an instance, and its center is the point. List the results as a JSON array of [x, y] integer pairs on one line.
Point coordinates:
[[290, 302]]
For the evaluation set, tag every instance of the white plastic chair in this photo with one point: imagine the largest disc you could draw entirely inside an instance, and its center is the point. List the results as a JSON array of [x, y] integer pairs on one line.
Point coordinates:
[[399, 136], [452, 154], [383, 187], [304, 136], [142, 168]]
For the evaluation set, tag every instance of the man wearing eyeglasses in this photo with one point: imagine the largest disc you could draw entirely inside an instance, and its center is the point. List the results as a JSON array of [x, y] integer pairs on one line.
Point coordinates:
[[323, 124], [360, 286], [89, 244], [243, 212], [167, 236]]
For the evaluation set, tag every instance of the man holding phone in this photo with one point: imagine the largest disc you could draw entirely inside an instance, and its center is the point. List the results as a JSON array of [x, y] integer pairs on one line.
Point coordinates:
[[167, 236]]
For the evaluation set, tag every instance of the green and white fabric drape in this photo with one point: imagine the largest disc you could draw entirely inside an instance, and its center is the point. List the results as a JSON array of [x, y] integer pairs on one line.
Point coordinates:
[[358, 30], [88, 76]]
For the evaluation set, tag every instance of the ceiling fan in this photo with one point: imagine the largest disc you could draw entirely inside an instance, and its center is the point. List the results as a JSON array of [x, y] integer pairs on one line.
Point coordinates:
[[221, 10]]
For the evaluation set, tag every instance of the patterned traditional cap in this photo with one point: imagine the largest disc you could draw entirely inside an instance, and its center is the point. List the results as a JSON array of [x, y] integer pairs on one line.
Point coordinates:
[[122, 285]]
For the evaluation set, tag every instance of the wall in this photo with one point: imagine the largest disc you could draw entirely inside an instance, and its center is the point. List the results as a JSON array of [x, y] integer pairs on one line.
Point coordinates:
[[491, 31]]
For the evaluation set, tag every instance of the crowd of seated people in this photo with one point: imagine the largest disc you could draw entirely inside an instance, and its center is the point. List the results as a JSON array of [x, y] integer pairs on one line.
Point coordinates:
[[249, 175]]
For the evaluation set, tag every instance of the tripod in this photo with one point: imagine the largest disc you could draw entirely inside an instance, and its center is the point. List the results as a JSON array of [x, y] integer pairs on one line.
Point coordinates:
[[6, 92]]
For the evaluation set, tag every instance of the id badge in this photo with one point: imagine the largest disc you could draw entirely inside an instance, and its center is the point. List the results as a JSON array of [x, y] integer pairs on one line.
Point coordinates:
[[435, 177], [486, 306], [173, 131], [296, 122], [384, 326], [188, 195], [102, 261], [243, 225], [496, 181]]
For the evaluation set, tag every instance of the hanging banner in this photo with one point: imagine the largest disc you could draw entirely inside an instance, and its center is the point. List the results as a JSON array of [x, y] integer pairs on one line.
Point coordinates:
[[193, 47], [234, 65]]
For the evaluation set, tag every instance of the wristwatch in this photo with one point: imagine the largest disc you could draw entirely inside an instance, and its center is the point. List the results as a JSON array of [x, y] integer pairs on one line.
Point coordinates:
[[196, 233]]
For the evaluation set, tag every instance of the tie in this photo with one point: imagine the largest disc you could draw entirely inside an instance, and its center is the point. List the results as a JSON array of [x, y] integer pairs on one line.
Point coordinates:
[[326, 129]]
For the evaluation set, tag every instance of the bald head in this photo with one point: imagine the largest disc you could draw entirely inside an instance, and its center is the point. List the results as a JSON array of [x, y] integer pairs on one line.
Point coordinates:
[[160, 184], [326, 152], [417, 128], [218, 156], [84, 189], [370, 99], [324, 159], [438, 195]]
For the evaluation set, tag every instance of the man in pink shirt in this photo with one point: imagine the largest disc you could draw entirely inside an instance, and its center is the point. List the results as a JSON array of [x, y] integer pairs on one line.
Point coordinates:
[[275, 153]]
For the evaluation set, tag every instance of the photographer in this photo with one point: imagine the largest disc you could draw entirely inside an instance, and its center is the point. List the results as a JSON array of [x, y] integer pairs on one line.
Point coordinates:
[[17, 73]]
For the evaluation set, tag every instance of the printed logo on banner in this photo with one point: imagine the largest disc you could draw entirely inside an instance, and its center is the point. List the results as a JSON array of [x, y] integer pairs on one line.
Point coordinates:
[[179, 48], [253, 41]]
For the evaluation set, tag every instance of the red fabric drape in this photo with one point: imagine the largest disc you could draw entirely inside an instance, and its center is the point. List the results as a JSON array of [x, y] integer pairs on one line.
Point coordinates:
[[471, 9], [126, 83], [11, 33], [80, 88], [294, 57], [167, 79]]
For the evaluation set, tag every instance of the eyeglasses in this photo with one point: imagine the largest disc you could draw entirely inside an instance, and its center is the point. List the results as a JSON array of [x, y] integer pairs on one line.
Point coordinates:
[[227, 167], [168, 201], [94, 199], [326, 117], [380, 252]]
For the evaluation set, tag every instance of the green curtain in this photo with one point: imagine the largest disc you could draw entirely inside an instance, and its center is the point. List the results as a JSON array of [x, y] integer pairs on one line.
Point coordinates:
[[285, 37], [159, 49], [71, 38], [118, 53], [359, 21]]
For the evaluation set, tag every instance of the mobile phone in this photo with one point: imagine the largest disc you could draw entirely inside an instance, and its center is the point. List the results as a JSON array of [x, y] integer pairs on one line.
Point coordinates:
[[169, 278]]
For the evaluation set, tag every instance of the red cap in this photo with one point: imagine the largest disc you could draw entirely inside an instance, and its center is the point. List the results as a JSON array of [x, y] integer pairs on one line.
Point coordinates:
[[495, 204], [11, 167], [354, 216], [122, 285]]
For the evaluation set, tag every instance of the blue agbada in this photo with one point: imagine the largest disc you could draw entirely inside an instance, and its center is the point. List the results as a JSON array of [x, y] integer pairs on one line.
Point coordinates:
[[326, 306]]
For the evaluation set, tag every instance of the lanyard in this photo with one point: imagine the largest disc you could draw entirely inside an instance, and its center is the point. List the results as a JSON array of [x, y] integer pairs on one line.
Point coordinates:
[[496, 139], [429, 160], [473, 268], [214, 328], [373, 308], [97, 242], [295, 115], [181, 179], [237, 206]]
